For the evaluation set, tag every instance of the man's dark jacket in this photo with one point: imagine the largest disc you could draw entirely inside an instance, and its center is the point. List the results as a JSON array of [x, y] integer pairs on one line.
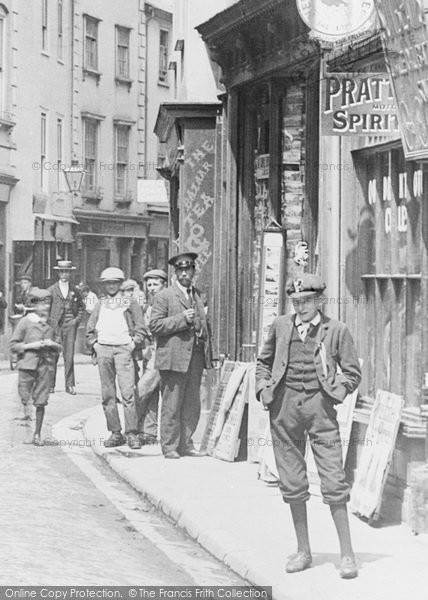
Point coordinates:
[[57, 312], [174, 336]]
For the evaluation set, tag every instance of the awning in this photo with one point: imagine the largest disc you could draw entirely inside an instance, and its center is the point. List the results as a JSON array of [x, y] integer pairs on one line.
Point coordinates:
[[56, 218], [54, 228]]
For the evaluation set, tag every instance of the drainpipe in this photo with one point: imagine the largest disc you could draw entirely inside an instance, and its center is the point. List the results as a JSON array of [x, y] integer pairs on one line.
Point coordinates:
[[149, 12]]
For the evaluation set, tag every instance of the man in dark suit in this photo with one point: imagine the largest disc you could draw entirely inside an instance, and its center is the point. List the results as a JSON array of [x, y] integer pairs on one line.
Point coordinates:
[[67, 311], [297, 380], [179, 325]]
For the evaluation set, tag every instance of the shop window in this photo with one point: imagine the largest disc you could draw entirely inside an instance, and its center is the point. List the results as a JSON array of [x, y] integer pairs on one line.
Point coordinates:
[[157, 254], [389, 254]]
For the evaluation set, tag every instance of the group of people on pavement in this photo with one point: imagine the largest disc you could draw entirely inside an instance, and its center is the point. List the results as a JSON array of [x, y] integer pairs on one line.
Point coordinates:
[[166, 330], [307, 364]]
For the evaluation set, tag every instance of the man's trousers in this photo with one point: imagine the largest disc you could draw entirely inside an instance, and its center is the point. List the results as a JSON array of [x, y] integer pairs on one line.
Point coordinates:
[[293, 415], [68, 333], [117, 361], [181, 404]]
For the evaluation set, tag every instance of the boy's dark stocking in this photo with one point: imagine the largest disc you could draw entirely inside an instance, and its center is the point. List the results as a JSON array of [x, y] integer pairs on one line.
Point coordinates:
[[40, 414]]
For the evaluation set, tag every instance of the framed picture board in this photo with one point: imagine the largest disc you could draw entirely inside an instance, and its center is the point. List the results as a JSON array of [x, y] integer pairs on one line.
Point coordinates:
[[271, 279]]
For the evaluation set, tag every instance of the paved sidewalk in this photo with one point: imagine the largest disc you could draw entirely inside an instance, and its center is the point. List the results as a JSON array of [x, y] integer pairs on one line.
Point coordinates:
[[244, 523]]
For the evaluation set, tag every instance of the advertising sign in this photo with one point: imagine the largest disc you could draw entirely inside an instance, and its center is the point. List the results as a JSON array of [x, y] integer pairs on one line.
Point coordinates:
[[404, 37], [336, 18], [358, 104]]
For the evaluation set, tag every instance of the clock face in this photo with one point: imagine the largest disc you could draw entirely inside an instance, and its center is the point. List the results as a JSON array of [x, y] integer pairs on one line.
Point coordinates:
[[336, 18]]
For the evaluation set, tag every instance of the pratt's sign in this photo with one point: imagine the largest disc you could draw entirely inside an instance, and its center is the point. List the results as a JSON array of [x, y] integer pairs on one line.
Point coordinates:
[[405, 40], [358, 104]]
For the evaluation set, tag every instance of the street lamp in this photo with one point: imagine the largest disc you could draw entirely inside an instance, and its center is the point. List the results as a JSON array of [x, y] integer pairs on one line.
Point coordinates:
[[74, 176]]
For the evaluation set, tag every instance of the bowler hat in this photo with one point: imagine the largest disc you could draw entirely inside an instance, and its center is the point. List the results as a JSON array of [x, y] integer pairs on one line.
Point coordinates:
[[155, 274], [306, 285], [64, 265], [186, 259]]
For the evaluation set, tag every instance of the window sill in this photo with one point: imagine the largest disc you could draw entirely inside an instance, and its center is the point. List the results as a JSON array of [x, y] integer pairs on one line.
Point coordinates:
[[163, 84], [7, 123], [384, 276], [45, 53], [123, 201], [92, 196], [60, 61], [87, 72], [124, 81]]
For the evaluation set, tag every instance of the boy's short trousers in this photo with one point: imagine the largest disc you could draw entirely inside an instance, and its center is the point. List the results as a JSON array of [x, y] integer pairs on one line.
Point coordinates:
[[34, 384]]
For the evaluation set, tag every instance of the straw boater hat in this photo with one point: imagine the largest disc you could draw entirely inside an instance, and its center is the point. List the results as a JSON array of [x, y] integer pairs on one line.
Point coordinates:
[[64, 265]]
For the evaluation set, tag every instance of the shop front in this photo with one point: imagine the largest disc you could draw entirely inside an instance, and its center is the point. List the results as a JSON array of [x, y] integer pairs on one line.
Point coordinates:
[[266, 192], [373, 223], [103, 239]]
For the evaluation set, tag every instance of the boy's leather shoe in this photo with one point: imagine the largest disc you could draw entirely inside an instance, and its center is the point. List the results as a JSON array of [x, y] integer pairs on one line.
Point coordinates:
[[116, 439], [194, 453], [37, 440], [133, 441], [70, 390], [172, 454], [348, 568], [298, 562]]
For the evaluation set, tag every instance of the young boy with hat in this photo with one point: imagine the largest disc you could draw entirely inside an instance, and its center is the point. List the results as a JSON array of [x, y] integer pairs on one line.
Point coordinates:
[[37, 346], [149, 384], [297, 380]]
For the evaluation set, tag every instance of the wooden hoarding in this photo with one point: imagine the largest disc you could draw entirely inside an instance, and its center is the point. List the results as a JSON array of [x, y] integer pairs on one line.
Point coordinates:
[[231, 378], [376, 455]]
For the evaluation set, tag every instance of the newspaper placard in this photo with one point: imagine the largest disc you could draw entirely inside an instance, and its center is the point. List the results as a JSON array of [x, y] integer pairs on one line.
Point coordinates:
[[376, 455]]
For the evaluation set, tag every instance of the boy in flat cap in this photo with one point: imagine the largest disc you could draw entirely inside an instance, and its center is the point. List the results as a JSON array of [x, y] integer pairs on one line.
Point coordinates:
[[149, 384], [297, 380], [37, 347], [179, 325]]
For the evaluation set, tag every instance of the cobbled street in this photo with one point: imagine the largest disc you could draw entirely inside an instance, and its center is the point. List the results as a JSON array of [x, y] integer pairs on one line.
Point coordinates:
[[59, 528]]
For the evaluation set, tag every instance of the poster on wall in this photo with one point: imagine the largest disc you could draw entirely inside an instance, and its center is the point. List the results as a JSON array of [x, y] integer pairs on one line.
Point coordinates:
[[270, 279]]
